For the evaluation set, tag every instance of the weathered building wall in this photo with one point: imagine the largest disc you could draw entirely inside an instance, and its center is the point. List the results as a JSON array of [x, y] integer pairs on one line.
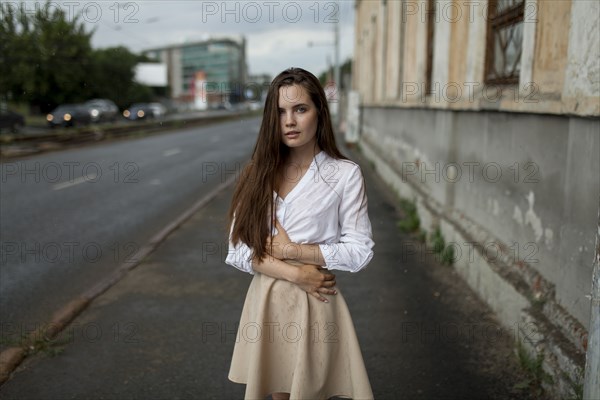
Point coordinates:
[[511, 168], [582, 78], [551, 52], [366, 40], [559, 69], [392, 72], [517, 175], [459, 36]]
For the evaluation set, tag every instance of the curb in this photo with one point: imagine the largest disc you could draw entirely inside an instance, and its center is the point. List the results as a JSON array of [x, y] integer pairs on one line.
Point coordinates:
[[13, 356], [9, 359]]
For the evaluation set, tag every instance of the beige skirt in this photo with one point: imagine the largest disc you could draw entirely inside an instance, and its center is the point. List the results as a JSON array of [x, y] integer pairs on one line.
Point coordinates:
[[288, 341]]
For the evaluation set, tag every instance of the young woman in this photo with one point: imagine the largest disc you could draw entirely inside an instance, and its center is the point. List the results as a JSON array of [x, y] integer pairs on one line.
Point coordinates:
[[299, 211]]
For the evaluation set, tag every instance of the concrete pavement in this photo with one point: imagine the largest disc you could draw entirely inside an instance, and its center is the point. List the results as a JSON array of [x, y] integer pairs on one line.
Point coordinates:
[[167, 330]]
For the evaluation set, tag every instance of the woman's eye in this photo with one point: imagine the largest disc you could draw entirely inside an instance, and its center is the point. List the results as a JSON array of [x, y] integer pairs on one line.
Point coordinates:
[[301, 109]]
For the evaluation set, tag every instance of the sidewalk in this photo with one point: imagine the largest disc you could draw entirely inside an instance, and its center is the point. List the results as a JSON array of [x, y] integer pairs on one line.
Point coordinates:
[[167, 330]]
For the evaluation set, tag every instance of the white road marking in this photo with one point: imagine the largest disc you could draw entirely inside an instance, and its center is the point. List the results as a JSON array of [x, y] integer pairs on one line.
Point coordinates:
[[171, 152], [74, 182]]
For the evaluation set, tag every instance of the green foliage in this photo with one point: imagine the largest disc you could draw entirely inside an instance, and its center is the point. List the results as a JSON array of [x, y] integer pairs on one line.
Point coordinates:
[[47, 59], [40, 343], [575, 385], [577, 389], [422, 236], [411, 221], [536, 375], [345, 69], [446, 253], [437, 241], [45, 56], [116, 66], [51, 347]]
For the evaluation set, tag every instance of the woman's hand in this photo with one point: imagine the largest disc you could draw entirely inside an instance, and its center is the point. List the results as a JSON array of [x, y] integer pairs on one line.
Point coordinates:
[[284, 249], [281, 243], [315, 281]]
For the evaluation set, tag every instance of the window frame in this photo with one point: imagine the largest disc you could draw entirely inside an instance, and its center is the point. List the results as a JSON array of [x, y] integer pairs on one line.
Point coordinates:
[[495, 22]]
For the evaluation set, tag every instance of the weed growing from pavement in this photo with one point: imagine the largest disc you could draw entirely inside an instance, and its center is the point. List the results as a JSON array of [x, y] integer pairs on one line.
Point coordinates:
[[576, 385], [422, 235], [533, 367], [51, 347], [537, 302], [437, 241], [446, 253], [411, 222]]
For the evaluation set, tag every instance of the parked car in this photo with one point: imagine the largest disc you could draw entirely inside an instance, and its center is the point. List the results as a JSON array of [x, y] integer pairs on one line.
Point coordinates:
[[69, 115], [226, 105], [10, 121], [138, 111], [255, 106], [158, 110], [102, 110]]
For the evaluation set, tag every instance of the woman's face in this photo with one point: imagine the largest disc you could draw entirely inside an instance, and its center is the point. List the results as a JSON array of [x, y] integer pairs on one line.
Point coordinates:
[[297, 116]]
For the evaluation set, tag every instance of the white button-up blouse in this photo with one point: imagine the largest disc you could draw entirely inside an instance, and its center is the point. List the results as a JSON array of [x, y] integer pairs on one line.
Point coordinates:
[[328, 207]]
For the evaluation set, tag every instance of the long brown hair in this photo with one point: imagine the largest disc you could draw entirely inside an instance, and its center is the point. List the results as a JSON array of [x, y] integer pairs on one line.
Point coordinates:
[[252, 203]]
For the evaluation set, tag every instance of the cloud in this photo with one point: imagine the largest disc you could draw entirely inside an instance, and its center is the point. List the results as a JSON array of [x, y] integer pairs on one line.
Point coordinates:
[[277, 32], [272, 53]]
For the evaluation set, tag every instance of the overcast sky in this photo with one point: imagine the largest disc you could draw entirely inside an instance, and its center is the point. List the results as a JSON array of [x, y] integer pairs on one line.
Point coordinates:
[[277, 32]]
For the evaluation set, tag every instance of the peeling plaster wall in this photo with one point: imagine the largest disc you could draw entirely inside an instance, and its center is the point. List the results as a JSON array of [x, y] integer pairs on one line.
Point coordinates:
[[531, 180], [552, 45], [583, 70]]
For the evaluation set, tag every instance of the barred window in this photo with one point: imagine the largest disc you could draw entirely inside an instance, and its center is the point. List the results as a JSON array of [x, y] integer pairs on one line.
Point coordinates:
[[504, 41]]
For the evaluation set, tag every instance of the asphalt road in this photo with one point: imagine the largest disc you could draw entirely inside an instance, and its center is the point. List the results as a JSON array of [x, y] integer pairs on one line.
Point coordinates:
[[69, 218]]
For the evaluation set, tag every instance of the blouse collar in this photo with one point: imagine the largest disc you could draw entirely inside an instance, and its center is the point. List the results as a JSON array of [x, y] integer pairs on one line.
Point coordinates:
[[307, 177]]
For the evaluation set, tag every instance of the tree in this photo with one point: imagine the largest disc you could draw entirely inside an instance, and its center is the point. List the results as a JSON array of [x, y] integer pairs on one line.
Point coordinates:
[[46, 58], [113, 74], [345, 69], [16, 63]]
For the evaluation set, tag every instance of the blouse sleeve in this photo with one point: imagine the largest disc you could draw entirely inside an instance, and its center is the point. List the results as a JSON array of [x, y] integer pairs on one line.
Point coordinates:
[[240, 255], [354, 250]]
